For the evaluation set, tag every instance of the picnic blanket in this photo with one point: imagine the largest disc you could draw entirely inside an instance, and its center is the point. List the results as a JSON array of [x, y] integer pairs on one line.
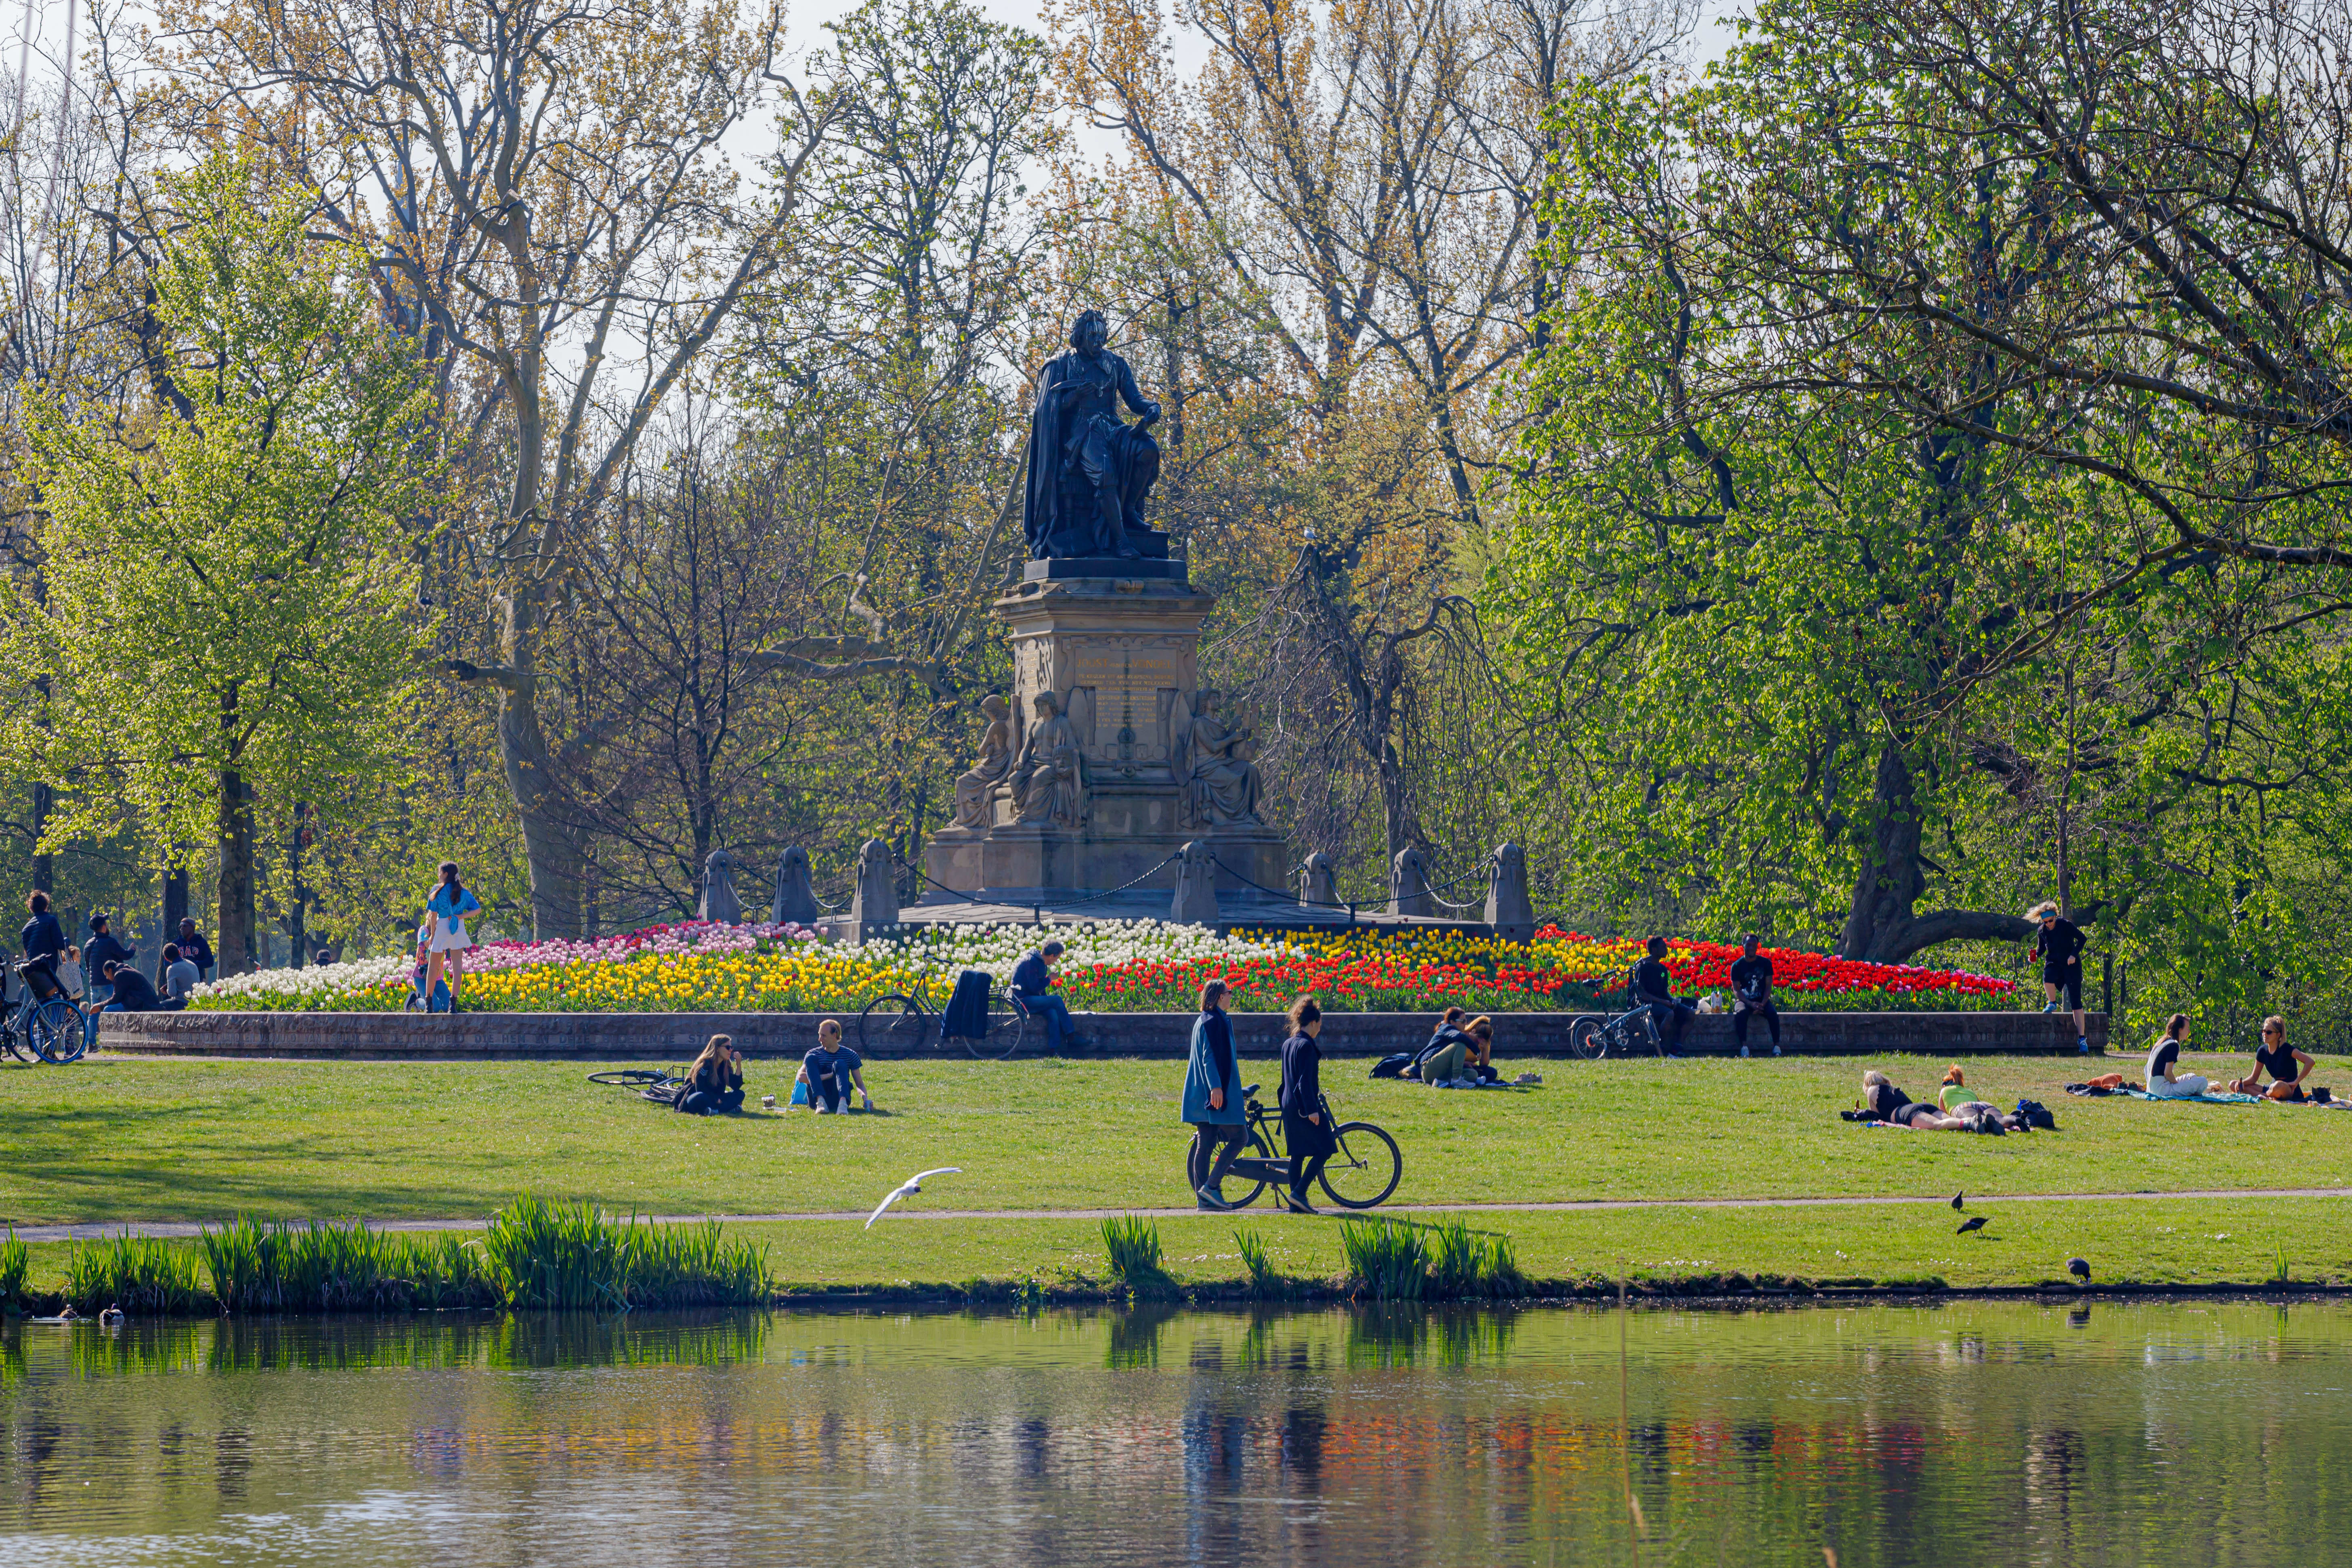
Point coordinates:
[[2205, 1099]]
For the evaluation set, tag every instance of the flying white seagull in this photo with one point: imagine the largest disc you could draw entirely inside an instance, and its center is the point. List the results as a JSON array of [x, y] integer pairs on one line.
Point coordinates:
[[913, 1183]]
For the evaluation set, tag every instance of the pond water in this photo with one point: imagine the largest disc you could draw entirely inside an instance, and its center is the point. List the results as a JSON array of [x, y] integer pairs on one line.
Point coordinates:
[[2193, 1434]]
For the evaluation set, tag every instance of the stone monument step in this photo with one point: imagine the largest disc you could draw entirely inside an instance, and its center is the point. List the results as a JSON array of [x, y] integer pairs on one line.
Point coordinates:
[[1062, 569]]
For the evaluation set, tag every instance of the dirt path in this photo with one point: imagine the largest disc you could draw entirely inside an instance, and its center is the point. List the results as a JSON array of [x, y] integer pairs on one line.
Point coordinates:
[[89, 1230]]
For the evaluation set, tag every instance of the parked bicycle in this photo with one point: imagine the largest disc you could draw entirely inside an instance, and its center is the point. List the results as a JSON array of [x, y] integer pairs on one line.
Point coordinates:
[[1363, 1172], [898, 1024], [1635, 1033], [42, 1025]]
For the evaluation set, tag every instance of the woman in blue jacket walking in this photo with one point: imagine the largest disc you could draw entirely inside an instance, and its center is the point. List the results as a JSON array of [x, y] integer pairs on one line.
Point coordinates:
[[1212, 1099]]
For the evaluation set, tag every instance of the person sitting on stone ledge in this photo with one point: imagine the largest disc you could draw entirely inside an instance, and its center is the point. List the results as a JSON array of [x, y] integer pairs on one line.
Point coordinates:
[[134, 993], [1030, 989], [1652, 985], [179, 975], [715, 1082], [830, 1071]]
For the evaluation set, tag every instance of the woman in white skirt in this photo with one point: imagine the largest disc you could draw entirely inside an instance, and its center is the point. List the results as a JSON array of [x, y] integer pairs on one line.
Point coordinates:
[[446, 914], [2165, 1079]]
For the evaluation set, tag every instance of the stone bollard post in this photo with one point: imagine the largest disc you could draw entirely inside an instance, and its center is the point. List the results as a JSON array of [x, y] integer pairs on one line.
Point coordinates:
[[1408, 885], [795, 901], [1509, 909], [719, 900], [1195, 903], [875, 907], [1318, 882]]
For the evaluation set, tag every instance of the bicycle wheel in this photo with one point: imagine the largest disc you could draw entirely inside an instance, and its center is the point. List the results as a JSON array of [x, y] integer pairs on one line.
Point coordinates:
[[1254, 1148], [13, 1044], [1008, 1031], [892, 1025], [58, 1032], [631, 1078], [1585, 1040], [1366, 1168]]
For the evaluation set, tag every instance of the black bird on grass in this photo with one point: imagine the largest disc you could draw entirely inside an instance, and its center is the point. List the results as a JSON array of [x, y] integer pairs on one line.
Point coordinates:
[[2079, 1270], [1974, 1222], [1955, 1200]]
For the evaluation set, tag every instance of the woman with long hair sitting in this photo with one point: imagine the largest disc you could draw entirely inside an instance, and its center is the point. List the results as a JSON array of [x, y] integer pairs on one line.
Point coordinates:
[[715, 1082]]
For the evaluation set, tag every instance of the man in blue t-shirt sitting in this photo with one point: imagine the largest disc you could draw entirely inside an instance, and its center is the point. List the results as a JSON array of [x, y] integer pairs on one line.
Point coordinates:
[[830, 1070], [1029, 989]]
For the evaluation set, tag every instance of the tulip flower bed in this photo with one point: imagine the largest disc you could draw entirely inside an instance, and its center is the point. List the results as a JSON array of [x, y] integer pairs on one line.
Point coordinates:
[[1112, 966]]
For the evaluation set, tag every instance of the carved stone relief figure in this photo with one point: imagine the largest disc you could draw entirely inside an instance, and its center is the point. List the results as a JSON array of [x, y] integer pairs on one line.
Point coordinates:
[[975, 789], [1221, 784], [1049, 777], [795, 900], [719, 901]]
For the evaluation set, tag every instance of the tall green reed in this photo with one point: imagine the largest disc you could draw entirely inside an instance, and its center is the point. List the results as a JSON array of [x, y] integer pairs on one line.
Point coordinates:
[[144, 1276], [564, 1257]]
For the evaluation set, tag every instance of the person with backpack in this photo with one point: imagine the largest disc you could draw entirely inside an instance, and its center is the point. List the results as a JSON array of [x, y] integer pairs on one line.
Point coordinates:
[[446, 913]]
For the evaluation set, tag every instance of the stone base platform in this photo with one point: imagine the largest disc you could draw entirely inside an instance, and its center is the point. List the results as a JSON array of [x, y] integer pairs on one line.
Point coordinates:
[[1034, 906], [657, 1038]]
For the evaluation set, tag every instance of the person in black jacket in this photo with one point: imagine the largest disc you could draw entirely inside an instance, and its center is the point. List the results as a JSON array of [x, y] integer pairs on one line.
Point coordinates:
[[133, 992], [1752, 993], [715, 1082], [2059, 944], [42, 937], [197, 950], [1306, 1129], [1652, 986]]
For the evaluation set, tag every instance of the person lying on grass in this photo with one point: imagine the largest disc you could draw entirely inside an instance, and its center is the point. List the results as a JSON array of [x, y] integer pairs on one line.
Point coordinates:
[[830, 1071], [2286, 1065], [1889, 1104], [2165, 1079], [715, 1082]]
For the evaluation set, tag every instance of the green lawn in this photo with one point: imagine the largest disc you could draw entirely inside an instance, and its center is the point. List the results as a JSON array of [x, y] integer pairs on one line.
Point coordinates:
[[127, 1138]]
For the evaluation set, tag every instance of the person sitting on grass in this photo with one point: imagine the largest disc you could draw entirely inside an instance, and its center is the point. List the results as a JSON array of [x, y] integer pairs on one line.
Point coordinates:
[[1885, 1102], [830, 1070], [1441, 1061], [715, 1082], [2286, 1065], [1480, 1065], [2165, 1079], [1029, 988], [133, 992], [1652, 985]]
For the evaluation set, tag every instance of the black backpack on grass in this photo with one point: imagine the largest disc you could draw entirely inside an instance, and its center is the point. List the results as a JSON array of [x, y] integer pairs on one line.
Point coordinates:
[[2036, 1114]]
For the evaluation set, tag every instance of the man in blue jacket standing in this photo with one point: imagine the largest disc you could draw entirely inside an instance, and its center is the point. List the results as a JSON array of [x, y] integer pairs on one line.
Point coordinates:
[[1030, 987]]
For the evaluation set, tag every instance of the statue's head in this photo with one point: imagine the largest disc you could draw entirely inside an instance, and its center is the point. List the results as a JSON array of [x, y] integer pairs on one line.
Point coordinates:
[[1089, 331], [1045, 705], [994, 706]]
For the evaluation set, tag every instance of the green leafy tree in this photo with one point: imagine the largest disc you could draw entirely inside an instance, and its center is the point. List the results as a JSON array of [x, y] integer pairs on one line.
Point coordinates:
[[231, 626]]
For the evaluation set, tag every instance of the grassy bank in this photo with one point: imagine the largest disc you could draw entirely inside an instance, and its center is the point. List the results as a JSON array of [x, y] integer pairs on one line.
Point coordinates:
[[2303, 1241], [140, 1138]]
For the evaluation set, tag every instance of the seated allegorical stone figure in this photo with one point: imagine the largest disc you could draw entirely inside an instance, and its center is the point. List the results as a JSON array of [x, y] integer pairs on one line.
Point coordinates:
[[1220, 783], [974, 790], [1049, 775]]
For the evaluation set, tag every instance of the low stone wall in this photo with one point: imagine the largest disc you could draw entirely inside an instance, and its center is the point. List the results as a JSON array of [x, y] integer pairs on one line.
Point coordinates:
[[668, 1037]]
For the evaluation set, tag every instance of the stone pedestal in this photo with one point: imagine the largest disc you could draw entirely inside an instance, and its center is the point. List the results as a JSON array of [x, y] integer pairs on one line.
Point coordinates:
[[1113, 643]]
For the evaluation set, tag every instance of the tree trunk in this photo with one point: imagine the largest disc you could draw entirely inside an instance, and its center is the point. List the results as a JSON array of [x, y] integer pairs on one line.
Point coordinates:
[[45, 864], [175, 908], [551, 833], [1879, 925], [297, 922], [233, 946]]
